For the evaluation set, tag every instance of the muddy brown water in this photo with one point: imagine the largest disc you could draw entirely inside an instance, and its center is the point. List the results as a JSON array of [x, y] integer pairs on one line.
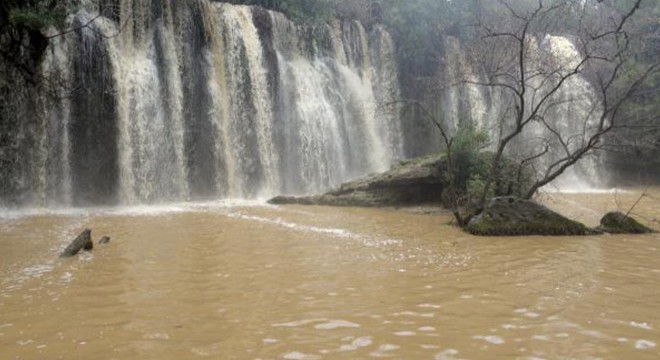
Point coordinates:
[[248, 281]]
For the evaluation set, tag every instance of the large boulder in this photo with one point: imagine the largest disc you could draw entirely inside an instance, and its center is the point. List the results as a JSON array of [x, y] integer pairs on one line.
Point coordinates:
[[416, 181], [619, 223], [504, 216]]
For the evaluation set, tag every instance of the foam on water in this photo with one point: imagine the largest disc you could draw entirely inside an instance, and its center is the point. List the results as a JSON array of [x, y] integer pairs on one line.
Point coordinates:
[[448, 354], [644, 344], [355, 344], [298, 323], [572, 183], [492, 339], [335, 324], [641, 325], [9, 215], [335, 232], [341, 233], [297, 355]]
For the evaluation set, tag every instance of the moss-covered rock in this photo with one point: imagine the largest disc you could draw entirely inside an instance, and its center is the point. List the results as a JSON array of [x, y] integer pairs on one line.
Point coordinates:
[[509, 216], [619, 223]]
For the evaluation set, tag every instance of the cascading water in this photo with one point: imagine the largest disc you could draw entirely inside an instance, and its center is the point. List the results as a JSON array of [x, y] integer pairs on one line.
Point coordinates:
[[176, 100], [171, 101], [573, 112]]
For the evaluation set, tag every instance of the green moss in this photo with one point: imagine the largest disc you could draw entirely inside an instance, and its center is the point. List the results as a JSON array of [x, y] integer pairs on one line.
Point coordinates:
[[620, 223], [512, 217]]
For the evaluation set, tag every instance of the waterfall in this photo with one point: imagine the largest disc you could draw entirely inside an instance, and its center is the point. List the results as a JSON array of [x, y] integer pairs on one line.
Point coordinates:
[[193, 100], [574, 111]]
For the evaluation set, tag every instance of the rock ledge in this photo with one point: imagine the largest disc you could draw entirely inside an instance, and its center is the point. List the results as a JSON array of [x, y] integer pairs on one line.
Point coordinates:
[[417, 181]]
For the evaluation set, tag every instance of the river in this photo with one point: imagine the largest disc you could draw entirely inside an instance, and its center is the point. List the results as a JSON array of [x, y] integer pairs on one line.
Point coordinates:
[[241, 280]]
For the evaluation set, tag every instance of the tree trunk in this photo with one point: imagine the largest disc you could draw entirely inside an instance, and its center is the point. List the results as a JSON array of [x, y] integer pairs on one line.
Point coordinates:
[[83, 241]]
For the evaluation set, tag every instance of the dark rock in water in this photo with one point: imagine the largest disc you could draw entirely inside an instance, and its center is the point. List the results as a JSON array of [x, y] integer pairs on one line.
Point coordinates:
[[511, 216], [417, 181], [620, 223], [82, 242], [301, 200], [104, 240]]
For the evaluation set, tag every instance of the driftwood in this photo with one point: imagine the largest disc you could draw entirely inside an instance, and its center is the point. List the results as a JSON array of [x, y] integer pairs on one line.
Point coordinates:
[[82, 242]]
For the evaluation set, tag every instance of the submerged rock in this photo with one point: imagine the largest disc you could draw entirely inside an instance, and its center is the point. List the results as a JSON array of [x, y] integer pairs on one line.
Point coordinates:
[[104, 240], [81, 242], [416, 181], [511, 216], [619, 223]]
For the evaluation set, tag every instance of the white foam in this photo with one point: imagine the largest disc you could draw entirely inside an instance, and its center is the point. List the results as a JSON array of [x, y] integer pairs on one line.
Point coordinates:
[[335, 232], [448, 354], [527, 313], [388, 347], [641, 325], [296, 355], [405, 333], [335, 324], [17, 214], [298, 323], [357, 344], [67, 277], [593, 333], [493, 339], [429, 306], [579, 188], [414, 314], [37, 271], [644, 344], [135, 210], [541, 337], [289, 225], [156, 336]]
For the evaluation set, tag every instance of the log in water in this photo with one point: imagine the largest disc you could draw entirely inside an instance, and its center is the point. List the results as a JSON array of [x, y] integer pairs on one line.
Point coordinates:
[[81, 242]]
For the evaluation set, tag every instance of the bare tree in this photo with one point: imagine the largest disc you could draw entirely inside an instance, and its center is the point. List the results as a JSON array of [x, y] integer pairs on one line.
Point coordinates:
[[515, 54]]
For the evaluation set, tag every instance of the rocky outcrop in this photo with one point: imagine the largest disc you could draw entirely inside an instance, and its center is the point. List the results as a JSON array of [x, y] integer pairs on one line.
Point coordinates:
[[82, 242], [511, 216], [620, 223], [416, 181]]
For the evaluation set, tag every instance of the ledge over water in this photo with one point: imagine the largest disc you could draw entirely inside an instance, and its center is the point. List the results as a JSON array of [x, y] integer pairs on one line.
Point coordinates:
[[417, 181]]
